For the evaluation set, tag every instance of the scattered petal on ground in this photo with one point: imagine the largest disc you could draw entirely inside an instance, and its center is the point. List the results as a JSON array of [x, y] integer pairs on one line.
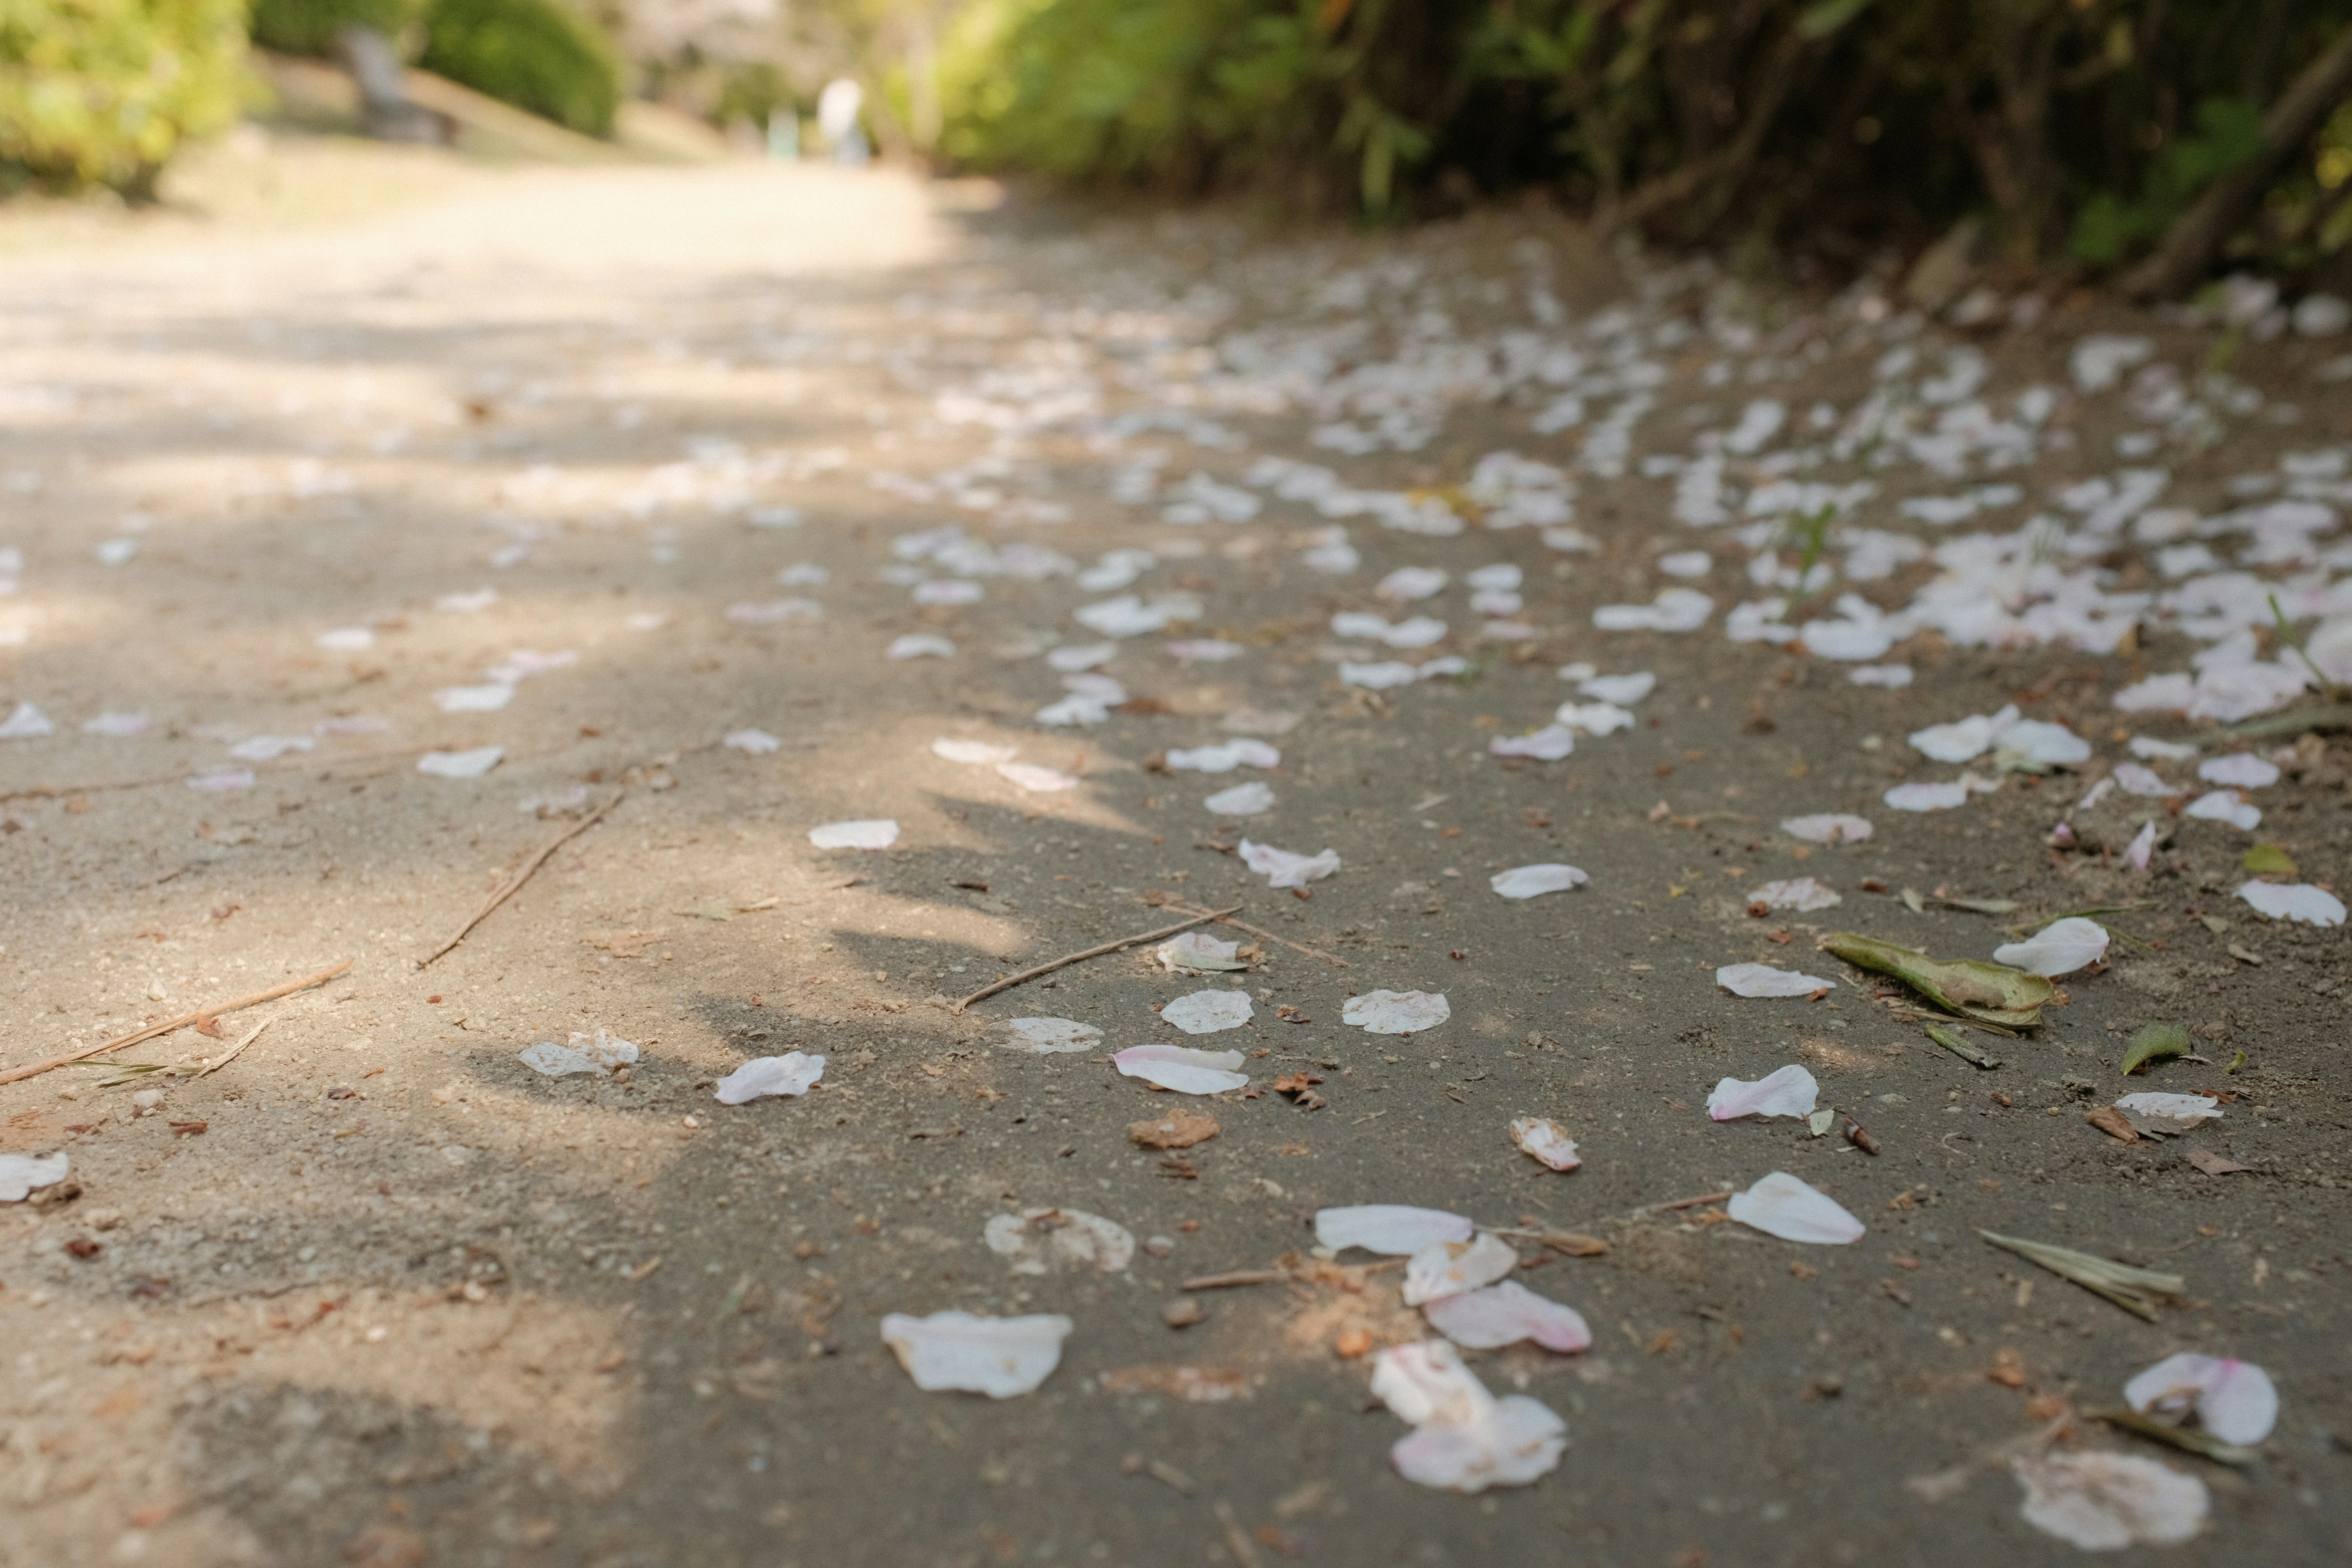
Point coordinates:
[[2143, 846], [1197, 953], [21, 1174], [1464, 1438], [1800, 893], [1208, 1012], [1549, 745], [598, 1053], [2233, 1400], [1834, 828], [1450, 1267], [470, 764], [1242, 800], [1544, 1141], [753, 742], [2224, 806], [27, 723], [1926, 796], [1506, 1314], [871, 833], [1393, 1230], [1225, 757], [1286, 868], [2240, 769], [921, 645], [1036, 779], [2059, 948], [1781, 1206], [1786, 1091], [473, 699], [979, 753], [1395, 1012], [2133, 779], [1622, 690], [1529, 881], [1049, 1037], [1044, 1241], [1182, 1068], [999, 1357], [1763, 980], [792, 1073], [2295, 901], [2104, 1502], [2168, 1112]]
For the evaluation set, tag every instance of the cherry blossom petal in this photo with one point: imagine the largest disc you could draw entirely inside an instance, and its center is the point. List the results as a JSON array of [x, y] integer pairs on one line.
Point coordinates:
[[2102, 1502], [1046, 1240], [1545, 1142], [1530, 881], [598, 1053], [1242, 800], [1049, 1037], [1182, 1068], [1505, 1315], [2133, 779], [1288, 868], [470, 765], [1763, 980], [2242, 769], [1395, 1012], [20, 1174], [999, 1357], [2224, 806], [792, 1073], [1780, 1204], [1517, 1443], [1926, 796], [1829, 827], [1197, 953], [1393, 1230], [1450, 1267], [871, 833], [1549, 745], [2059, 948], [1208, 1012], [976, 753], [2295, 901], [1786, 1091], [2143, 846], [1800, 893], [1035, 778], [2233, 1400]]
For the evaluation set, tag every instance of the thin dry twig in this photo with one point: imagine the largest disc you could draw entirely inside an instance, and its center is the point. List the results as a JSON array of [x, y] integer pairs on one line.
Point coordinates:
[[1183, 908], [33, 1068], [509, 887], [1238, 1277], [231, 1056], [1067, 959], [1237, 1540], [1699, 1202]]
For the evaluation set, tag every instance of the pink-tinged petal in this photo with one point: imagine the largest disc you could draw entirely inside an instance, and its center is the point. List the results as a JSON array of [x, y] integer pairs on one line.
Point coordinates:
[[1450, 1267], [1781, 1206], [1544, 1141], [999, 1357], [2233, 1400], [1426, 1383], [1786, 1091], [1394, 1230], [1518, 1443], [2295, 901], [1505, 1315], [2142, 847]]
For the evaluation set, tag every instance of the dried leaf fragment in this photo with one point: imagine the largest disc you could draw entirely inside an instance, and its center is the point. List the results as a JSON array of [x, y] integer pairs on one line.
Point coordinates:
[[2136, 1290], [1180, 1131]]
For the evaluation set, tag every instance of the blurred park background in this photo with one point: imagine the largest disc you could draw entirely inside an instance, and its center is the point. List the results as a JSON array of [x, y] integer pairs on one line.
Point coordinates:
[[2156, 143]]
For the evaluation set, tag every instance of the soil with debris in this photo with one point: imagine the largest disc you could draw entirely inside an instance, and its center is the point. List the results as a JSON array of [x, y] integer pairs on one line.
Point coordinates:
[[378, 1292]]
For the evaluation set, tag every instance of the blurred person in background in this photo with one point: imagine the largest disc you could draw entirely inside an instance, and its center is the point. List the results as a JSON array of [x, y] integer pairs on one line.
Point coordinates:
[[837, 110]]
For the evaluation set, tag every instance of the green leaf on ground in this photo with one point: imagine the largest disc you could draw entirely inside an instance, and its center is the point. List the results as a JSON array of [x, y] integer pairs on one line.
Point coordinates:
[[2264, 860], [2154, 1043], [1992, 992]]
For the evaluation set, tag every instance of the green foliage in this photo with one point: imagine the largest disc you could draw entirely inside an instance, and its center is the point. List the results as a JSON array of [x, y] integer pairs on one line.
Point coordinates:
[[538, 55], [308, 26], [2229, 132], [2059, 121], [102, 91]]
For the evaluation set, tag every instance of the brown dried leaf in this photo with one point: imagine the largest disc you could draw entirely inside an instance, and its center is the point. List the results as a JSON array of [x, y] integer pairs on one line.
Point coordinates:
[[2113, 1123], [2214, 1165], [1178, 1130]]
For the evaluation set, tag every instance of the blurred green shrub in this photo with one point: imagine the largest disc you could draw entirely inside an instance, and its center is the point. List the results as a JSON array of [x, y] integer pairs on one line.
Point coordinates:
[[308, 26], [100, 93], [538, 55]]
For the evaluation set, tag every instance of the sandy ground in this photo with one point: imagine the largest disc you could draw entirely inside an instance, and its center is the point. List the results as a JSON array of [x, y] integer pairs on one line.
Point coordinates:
[[377, 1293]]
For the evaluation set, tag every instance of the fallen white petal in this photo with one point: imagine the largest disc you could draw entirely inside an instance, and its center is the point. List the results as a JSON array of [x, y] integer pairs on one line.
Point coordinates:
[[873, 833], [1424, 1383], [1763, 980], [1197, 953], [1392, 1229], [1549, 745], [1208, 1012], [470, 764], [2224, 806], [1036, 779], [473, 699], [2233, 1400], [1450, 1267], [1530, 881], [1242, 800], [2143, 846], [752, 743], [269, 748], [1926, 796], [1892, 677], [1286, 869], [1831, 828], [792, 1073], [2102, 1503], [2185, 1109], [1040, 1241], [2295, 901], [1395, 1012], [228, 778], [1082, 657], [348, 639], [999, 1357], [1464, 1440], [1802, 894], [1048, 1036], [1786, 1091], [1623, 690], [1182, 1068], [2059, 948], [2133, 779], [1385, 676], [2240, 769], [977, 753], [1960, 742], [20, 1174], [921, 645], [1544, 1141], [27, 723], [1224, 758], [1781, 1206], [1595, 718], [1505, 1315], [117, 725], [598, 1053], [2040, 740]]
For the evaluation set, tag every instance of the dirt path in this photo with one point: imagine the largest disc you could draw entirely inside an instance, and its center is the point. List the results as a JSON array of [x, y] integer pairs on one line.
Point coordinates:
[[640, 476]]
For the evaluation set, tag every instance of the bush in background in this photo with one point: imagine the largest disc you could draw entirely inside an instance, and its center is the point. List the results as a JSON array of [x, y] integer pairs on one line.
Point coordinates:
[[102, 91], [537, 55], [308, 26]]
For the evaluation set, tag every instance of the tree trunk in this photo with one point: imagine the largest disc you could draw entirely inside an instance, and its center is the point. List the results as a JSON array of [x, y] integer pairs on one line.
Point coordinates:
[[2198, 233]]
